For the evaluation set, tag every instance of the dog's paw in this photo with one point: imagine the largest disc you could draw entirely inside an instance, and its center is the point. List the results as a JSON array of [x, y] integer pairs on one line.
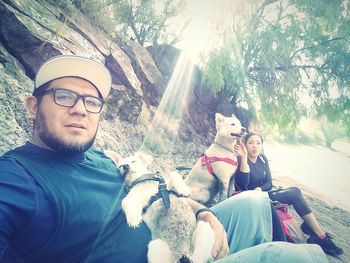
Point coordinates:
[[134, 220], [184, 191], [132, 213], [177, 183]]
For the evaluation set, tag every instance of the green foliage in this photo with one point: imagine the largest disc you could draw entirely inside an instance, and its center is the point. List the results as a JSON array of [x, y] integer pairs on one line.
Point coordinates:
[[98, 12], [287, 60], [67, 6], [145, 21]]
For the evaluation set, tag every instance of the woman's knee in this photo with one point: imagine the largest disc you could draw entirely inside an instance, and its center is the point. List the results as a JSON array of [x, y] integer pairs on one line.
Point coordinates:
[[295, 189], [296, 192]]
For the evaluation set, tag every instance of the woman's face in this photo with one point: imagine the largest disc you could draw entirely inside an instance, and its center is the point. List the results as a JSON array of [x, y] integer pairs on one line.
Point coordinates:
[[254, 146]]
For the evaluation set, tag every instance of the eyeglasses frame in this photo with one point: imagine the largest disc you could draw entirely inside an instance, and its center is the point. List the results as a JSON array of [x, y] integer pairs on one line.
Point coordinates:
[[83, 97]]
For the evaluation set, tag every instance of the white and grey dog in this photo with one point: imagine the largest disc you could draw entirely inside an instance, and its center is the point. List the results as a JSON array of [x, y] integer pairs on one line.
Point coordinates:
[[176, 234], [209, 179]]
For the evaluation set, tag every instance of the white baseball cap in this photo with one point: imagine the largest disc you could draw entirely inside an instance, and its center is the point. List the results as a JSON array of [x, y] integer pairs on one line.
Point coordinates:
[[75, 66]]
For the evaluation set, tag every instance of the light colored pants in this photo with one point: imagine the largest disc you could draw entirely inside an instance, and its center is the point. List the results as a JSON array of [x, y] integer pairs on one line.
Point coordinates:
[[278, 252], [248, 223], [247, 219]]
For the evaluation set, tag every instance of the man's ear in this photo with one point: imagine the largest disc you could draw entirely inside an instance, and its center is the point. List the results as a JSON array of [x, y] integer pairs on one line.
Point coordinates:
[[32, 107]]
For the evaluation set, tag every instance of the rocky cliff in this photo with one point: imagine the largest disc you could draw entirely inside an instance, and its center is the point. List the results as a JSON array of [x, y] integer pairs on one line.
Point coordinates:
[[33, 31]]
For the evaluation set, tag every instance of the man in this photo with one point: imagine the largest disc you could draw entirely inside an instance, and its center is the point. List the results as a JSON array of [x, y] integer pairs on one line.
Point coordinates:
[[60, 200]]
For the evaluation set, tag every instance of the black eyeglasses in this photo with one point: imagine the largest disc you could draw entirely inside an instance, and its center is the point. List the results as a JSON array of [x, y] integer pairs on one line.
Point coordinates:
[[68, 98]]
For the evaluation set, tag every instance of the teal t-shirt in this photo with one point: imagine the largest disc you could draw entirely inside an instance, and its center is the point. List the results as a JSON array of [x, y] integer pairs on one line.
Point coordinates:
[[84, 193]]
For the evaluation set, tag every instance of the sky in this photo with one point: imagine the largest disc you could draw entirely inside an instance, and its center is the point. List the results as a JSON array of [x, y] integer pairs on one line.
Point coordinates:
[[200, 33]]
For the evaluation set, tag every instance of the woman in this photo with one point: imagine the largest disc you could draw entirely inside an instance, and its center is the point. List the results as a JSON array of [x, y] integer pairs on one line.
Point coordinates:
[[255, 174]]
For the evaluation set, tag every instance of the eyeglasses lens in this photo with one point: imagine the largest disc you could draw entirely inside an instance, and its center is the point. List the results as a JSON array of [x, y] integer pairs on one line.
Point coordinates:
[[68, 98]]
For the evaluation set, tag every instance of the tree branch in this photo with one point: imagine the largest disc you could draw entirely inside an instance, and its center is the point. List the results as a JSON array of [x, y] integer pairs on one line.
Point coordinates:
[[313, 46]]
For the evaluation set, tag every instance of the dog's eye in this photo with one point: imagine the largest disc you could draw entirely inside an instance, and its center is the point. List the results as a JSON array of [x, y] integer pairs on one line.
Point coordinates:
[[233, 124], [133, 161]]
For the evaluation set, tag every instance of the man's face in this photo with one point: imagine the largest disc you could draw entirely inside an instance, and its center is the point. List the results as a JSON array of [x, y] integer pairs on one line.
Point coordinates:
[[65, 129]]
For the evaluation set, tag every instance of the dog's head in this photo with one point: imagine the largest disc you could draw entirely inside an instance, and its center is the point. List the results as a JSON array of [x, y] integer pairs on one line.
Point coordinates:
[[229, 126], [134, 166]]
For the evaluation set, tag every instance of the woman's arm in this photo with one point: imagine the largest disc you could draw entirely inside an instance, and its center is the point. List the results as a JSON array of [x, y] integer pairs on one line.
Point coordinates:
[[267, 183], [242, 175]]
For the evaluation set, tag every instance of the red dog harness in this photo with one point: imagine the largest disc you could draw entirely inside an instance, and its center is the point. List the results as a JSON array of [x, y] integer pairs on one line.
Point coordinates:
[[206, 161]]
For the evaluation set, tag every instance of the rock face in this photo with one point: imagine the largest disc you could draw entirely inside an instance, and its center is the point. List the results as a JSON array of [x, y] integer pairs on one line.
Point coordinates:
[[33, 31]]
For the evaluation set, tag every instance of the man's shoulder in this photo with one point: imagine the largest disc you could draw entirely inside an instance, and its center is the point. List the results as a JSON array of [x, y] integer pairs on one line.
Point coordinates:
[[95, 153], [11, 170], [98, 157], [19, 150], [8, 162]]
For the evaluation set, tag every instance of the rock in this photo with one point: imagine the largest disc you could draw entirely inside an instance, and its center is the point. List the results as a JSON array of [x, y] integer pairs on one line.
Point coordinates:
[[152, 81], [14, 87]]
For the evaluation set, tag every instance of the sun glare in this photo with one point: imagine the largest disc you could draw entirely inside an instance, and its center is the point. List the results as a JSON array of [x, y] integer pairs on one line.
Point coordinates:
[[166, 121], [203, 31]]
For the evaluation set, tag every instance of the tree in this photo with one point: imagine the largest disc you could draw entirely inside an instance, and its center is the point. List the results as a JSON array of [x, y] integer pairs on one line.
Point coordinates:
[[285, 60], [146, 21]]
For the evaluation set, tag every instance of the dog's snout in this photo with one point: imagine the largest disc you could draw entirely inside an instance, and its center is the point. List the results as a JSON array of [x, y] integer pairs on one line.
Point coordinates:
[[125, 167]]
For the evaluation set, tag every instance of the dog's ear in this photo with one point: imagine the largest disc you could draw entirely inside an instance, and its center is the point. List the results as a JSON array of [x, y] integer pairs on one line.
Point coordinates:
[[116, 157], [147, 158], [219, 117]]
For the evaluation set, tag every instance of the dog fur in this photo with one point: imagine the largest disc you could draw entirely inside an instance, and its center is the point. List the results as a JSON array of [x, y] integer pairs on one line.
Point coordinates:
[[176, 234], [205, 188]]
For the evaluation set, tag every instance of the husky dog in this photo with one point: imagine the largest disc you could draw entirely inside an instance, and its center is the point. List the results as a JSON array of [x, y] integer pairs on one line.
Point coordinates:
[[176, 234], [209, 178]]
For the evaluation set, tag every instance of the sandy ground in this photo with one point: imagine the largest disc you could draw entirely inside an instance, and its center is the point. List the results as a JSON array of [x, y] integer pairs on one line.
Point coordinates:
[[323, 176], [324, 170]]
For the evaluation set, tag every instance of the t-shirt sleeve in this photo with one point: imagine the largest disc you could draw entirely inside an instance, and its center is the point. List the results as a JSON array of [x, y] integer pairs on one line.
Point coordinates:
[[17, 201]]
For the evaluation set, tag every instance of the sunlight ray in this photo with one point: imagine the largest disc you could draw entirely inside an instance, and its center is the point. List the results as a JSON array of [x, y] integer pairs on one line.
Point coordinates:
[[165, 124]]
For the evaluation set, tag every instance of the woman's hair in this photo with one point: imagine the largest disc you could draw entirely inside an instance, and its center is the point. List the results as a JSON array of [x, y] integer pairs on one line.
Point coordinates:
[[250, 134]]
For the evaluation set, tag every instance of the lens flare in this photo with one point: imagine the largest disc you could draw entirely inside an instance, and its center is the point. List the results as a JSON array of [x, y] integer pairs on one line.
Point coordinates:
[[166, 122]]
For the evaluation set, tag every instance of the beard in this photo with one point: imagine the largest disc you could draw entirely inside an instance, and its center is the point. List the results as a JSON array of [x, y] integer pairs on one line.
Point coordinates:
[[56, 143]]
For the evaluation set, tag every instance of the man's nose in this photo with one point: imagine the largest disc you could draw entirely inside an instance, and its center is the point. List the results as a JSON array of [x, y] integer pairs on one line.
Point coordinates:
[[79, 107]]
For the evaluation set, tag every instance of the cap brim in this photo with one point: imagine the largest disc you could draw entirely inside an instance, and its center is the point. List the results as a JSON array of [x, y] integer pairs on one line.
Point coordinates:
[[75, 66]]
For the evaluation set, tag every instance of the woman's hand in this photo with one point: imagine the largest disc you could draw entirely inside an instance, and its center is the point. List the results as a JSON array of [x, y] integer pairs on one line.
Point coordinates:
[[258, 189], [220, 248], [240, 149]]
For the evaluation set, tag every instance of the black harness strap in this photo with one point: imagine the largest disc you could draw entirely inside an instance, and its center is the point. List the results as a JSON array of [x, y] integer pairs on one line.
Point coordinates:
[[143, 178], [163, 192]]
